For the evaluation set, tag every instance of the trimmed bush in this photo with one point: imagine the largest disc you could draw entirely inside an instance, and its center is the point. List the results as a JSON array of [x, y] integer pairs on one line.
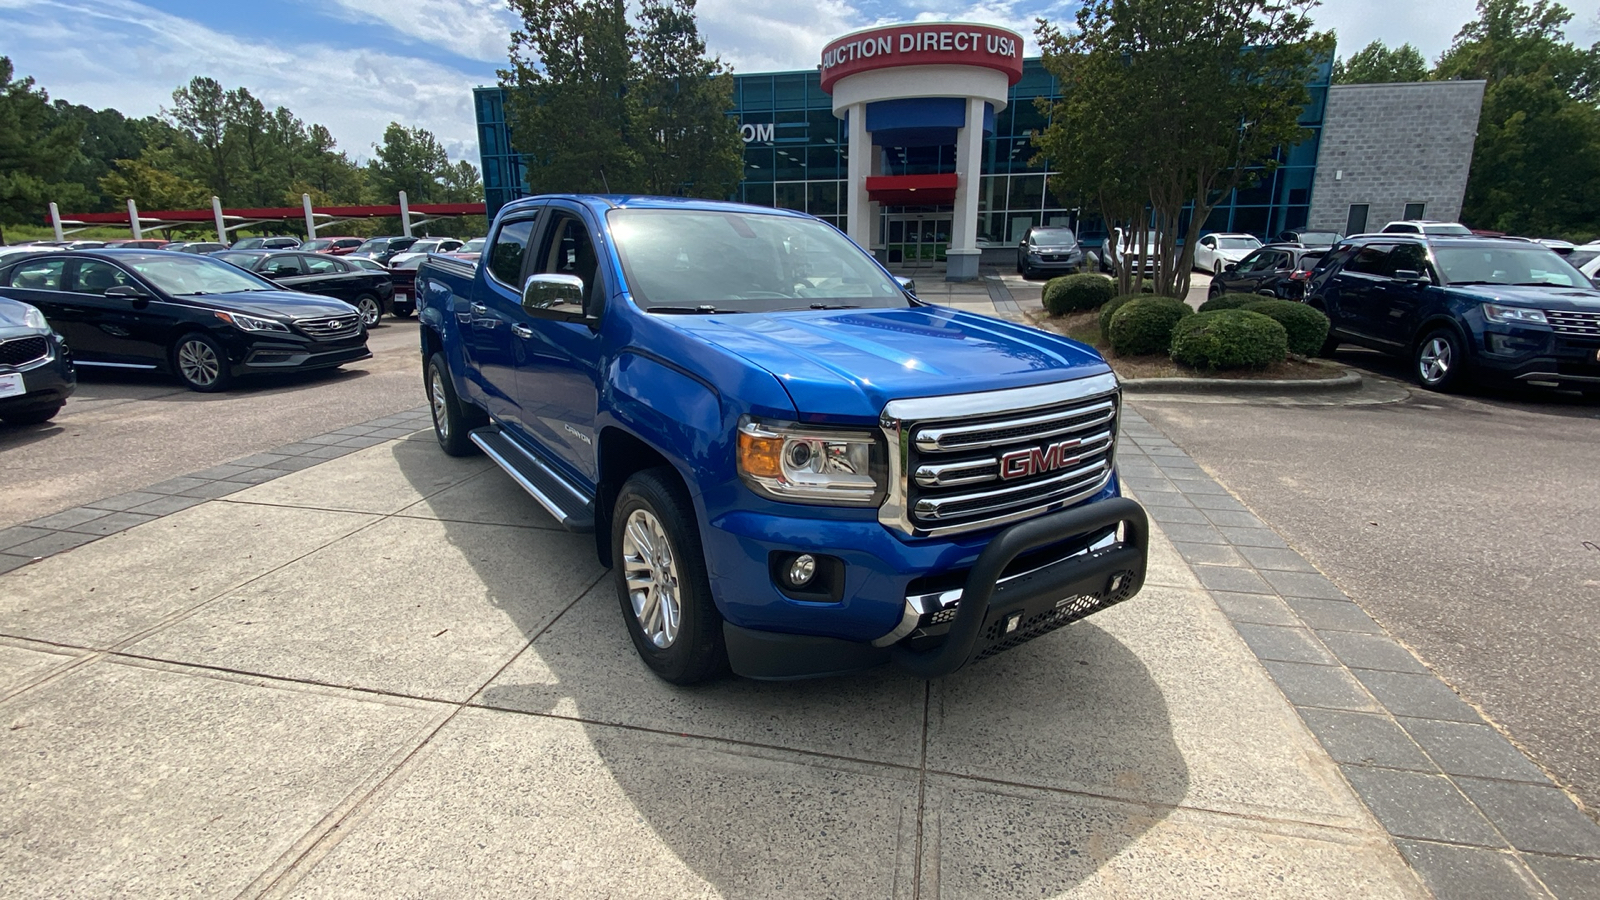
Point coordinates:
[[1145, 325], [1229, 301], [1110, 309], [1307, 327], [1229, 339], [1076, 293]]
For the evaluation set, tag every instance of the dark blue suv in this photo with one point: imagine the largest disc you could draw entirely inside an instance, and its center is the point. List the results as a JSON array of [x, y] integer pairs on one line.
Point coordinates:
[[1460, 307]]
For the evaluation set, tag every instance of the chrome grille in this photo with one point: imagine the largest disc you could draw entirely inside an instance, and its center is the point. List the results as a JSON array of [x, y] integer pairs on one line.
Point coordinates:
[[975, 461], [1579, 323], [21, 351], [331, 326]]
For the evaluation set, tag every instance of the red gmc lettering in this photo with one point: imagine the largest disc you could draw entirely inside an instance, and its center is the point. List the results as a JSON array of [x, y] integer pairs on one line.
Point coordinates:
[[1038, 460]]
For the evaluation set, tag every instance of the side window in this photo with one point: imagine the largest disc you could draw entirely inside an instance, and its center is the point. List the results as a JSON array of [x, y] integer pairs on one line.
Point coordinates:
[[43, 275], [282, 266], [510, 246], [1209, 242], [1371, 260], [96, 277], [316, 265], [1408, 256], [1250, 263], [568, 251]]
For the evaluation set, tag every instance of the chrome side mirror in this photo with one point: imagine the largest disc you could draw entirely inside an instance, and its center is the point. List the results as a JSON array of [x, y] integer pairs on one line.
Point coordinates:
[[548, 293], [907, 284]]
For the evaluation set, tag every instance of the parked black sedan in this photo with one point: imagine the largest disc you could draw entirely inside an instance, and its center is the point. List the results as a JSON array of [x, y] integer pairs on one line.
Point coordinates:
[[36, 374], [198, 318], [319, 273], [1276, 270]]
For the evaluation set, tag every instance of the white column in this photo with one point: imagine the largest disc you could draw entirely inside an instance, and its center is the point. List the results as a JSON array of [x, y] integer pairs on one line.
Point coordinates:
[[858, 219], [405, 215], [963, 253], [55, 220], [876, 210], [311, 222], [216, 216], [133, 219]]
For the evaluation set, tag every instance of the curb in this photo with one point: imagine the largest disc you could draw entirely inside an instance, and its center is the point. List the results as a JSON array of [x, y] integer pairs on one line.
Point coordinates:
[[1349, 381]]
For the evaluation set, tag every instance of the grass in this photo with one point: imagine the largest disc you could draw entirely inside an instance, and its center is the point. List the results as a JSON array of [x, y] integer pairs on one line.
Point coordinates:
[[1084, 327]]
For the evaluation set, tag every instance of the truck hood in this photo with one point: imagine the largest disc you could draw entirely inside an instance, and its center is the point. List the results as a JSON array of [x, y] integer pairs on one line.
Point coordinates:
[[1553, 297], [844, 365]]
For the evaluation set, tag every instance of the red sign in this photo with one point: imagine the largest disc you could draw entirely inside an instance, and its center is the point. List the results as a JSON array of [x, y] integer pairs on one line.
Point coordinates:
[[933, 44]]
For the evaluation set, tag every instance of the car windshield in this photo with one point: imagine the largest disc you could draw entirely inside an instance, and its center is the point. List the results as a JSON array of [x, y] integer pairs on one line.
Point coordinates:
[[473, 246], [1053, 237], [1320, 237], [376, 245], [1507, 265], [1459, 230], [187, 276], [1237, 243], [726, 261], [318, 244]]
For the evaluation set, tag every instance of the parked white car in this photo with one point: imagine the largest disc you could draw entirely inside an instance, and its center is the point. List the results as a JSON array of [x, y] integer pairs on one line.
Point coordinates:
[[1119, 246], [419, 251], [1428, 227], [1214, 252]]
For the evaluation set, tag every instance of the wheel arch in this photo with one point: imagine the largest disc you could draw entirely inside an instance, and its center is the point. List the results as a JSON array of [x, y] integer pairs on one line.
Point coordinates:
[[621, 455]]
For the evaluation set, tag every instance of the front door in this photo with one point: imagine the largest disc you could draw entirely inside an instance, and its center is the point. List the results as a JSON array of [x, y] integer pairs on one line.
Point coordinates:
[[918, 241]]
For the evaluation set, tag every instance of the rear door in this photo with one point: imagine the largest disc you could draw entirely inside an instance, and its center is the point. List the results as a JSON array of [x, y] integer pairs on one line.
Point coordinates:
[[1398, 302], [127, 330], [42, 281], [1356, 292], [485, 319]]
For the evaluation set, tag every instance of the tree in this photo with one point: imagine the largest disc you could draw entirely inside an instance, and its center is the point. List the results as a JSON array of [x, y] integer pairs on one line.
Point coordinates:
[[37, 151], [567, 99], [1169, 105], [688, 143], [201, 110], [1515, 37], [1377, 64], [410, 160]]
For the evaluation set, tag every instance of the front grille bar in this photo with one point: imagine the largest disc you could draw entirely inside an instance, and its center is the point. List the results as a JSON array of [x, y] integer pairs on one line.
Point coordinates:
[[1569, 322], [1033, 428], [980, 471], [1089, 478]]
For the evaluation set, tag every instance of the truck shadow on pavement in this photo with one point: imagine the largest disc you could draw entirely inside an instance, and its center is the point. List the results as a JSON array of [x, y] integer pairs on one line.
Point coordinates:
[[1020, 775]]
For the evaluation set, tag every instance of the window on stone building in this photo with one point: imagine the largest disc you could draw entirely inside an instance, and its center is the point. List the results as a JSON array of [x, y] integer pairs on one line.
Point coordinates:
[[1356, 223], [1414, 210]]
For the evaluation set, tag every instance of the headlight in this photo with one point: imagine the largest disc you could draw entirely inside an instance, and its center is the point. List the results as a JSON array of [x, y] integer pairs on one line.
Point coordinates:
[[251, 323], [1514, 315], [806, 464], [33, 318]]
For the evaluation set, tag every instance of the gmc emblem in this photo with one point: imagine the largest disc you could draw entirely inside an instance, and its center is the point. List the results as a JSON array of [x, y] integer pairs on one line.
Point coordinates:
[[1039, 460]]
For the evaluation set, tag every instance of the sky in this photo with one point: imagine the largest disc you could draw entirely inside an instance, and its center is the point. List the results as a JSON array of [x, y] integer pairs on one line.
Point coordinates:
[[356, 65]]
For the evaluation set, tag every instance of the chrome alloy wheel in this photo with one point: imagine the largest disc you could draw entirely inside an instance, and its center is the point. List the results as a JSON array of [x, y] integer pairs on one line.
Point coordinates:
[[652, 578], [1434, 360], [198, 362], [371, 311], [441, 413]]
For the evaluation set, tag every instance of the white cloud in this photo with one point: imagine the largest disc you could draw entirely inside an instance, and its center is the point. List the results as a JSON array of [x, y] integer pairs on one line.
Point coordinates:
[[758, 37], [476, 29], [130, 56]]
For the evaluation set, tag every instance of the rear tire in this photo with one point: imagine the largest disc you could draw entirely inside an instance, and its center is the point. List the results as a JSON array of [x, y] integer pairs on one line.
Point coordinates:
[[1440, 360], [201, 363], [662, 586], [452, 418], [371, 309]]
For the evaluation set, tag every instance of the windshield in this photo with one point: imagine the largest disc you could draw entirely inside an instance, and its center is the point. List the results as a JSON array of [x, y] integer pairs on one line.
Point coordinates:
[[473, 246], [1053, 237], [1237, 243], [376, 245], [1507, 265], [704, 261], [185, 276], [1461, 230], [1320, 237]]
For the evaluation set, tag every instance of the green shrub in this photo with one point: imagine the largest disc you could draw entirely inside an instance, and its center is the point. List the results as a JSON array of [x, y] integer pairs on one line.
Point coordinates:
[[1110, 309], [1075, 293], [1229, 339], [1228, 301], [1307, 327], [1145, 325]]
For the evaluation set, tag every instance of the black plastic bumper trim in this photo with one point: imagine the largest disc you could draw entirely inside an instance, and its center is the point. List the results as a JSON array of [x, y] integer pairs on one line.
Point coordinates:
[[776, 656]]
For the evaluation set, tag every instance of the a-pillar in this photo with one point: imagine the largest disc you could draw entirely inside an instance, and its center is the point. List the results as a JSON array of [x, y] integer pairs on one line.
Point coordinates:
[[858, 211], [962, 257]]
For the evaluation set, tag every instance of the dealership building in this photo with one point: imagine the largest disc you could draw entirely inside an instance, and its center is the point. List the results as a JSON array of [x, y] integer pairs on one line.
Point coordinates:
[[915, 140]]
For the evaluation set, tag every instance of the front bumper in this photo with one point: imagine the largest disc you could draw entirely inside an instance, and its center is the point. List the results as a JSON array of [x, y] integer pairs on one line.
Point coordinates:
[[993, 615], [289, 356], [1053, 262], [46, 383], [1538, 357]]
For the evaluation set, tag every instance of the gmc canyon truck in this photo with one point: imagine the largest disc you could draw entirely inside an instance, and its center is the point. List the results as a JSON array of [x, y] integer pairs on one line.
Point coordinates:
[[794, 467]]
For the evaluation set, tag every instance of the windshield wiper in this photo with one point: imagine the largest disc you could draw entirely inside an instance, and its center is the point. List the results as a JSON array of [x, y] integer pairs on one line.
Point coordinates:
[[835, 306], [1466, 283], [704, 309]]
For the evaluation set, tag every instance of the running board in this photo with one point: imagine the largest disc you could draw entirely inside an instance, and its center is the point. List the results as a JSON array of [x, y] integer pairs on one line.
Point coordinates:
[[563, 501]]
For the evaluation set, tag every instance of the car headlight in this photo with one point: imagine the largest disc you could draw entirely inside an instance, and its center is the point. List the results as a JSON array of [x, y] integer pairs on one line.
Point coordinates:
[[251, 323], [33, 318], [808, 464], [1514, 315]]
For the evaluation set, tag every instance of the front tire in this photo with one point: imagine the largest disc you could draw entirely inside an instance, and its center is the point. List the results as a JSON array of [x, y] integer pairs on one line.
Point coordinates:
[[452, 419], [371, 309], [200, 363], [661, 579], [1440, 360]]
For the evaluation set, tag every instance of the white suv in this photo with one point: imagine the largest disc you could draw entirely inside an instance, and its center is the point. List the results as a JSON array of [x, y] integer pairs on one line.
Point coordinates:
[[1428, 227]]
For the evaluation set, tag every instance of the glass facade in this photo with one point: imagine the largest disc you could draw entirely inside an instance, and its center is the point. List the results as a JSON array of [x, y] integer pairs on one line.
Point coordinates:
[[795, 158]]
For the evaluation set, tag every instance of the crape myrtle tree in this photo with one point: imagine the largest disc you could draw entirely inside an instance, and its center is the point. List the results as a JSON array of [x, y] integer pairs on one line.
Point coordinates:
[[597, 103], [1167, 106]]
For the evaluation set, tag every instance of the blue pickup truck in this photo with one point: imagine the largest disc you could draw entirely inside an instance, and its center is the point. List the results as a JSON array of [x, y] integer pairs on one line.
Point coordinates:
[[793, 466]]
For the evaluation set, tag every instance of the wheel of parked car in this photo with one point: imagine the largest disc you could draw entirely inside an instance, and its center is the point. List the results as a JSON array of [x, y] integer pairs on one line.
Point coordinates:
[[1441, 360], [32, 416], [371, 309], [661, 579], [452, 419], [1216, 269], [201, 363], [1214, 291]]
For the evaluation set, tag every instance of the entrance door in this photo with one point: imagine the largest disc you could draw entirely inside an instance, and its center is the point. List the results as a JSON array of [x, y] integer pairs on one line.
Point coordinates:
[[918, 241]]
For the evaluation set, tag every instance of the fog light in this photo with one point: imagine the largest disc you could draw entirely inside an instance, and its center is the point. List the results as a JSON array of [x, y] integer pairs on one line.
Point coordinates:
[[801, 570]]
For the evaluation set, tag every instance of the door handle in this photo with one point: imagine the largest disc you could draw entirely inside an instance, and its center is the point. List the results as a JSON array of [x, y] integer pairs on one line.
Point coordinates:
[[522, 331], [478, 309]]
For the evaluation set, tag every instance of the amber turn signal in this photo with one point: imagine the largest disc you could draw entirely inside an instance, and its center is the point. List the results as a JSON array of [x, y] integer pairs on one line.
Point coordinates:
[[761, 455]]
